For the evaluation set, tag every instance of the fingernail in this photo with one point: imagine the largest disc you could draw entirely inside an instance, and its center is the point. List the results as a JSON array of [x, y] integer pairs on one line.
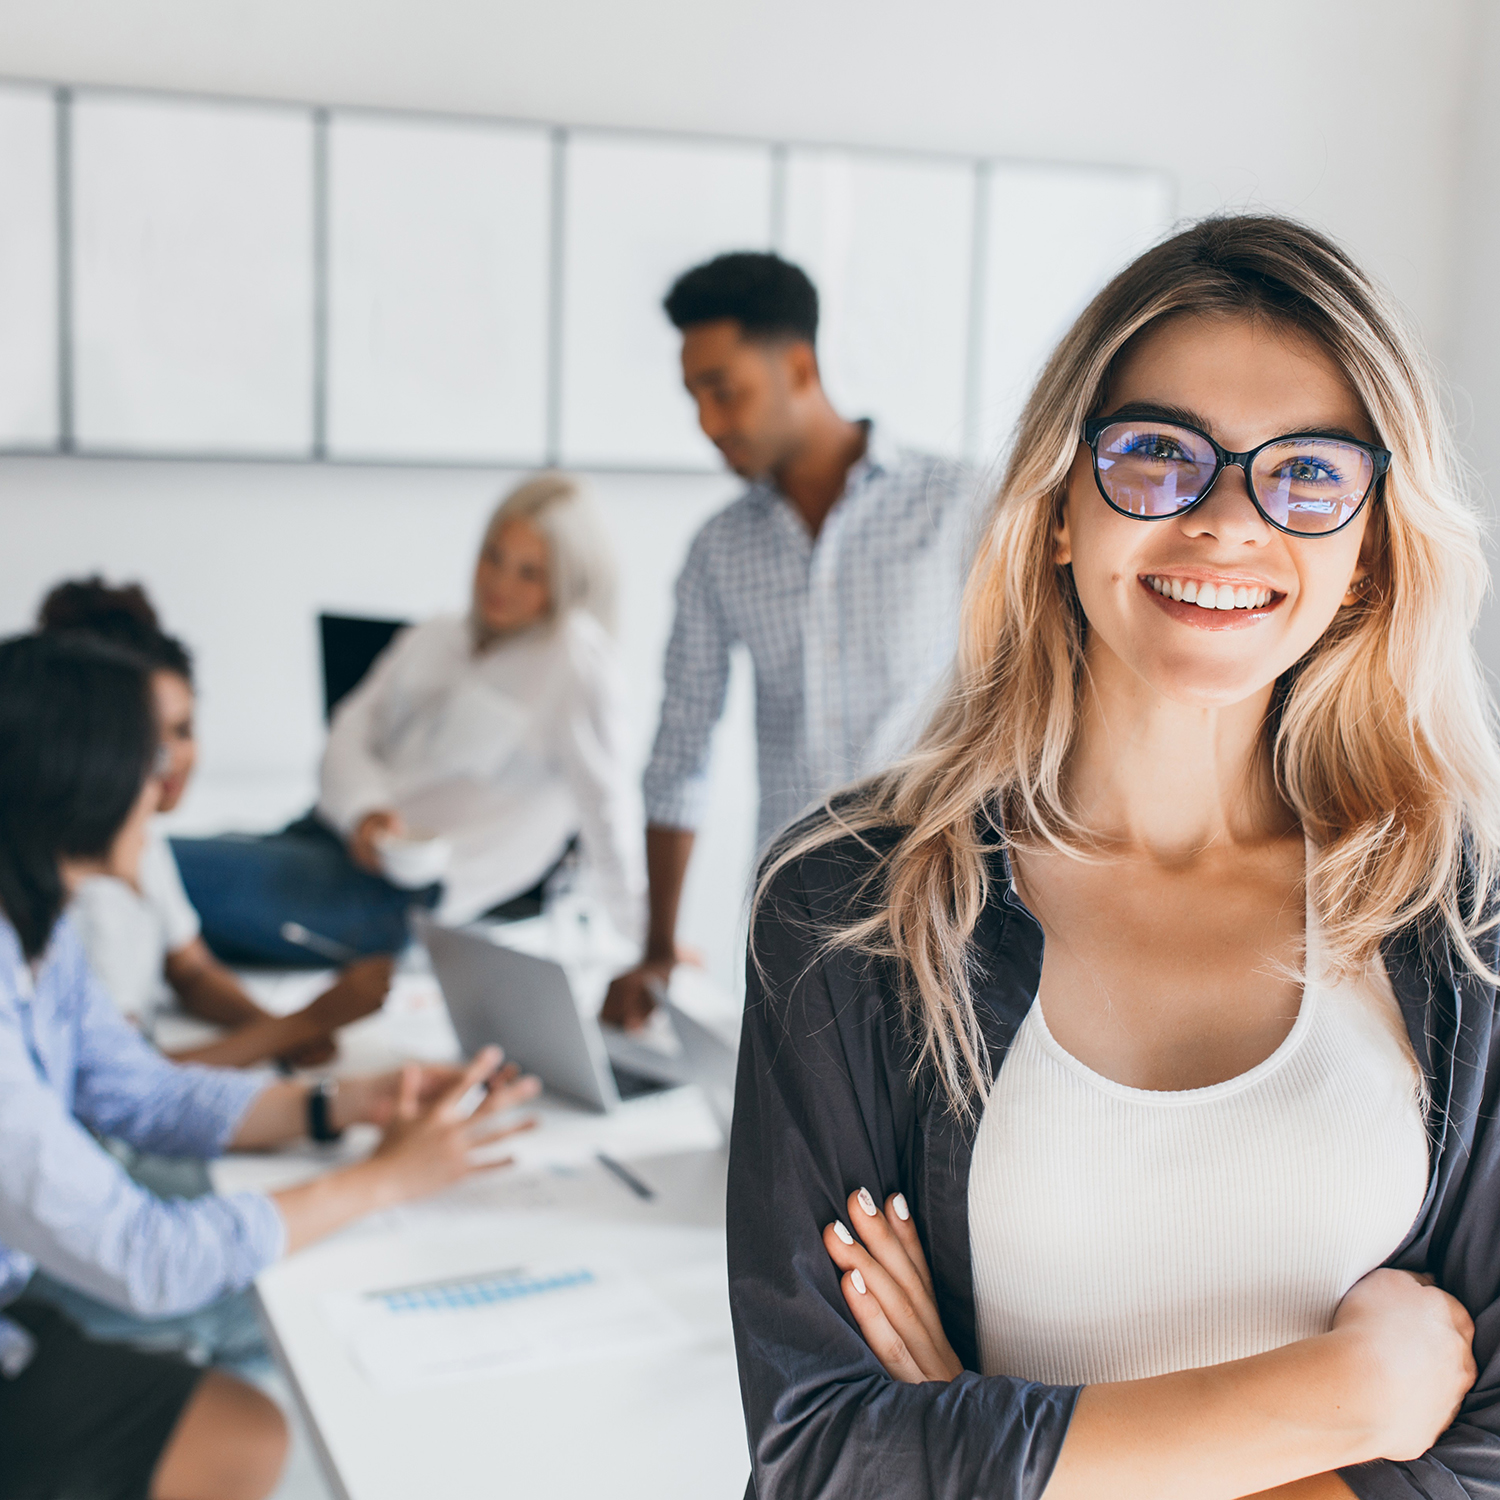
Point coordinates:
[[899, 1204], [843, 1234], [866, 1202], [859, 1282]]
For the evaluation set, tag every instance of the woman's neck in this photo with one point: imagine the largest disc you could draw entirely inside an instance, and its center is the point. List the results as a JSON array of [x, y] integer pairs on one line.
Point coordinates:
[[1169, 778]]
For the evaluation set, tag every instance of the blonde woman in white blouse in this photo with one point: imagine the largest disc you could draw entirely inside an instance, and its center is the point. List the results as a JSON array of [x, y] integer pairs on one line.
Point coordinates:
[[504, 730], [501, 731]]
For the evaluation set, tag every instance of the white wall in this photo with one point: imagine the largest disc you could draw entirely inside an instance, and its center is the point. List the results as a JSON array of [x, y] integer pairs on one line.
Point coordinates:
[[1341, 110], [1474, 346], [1351, 113]]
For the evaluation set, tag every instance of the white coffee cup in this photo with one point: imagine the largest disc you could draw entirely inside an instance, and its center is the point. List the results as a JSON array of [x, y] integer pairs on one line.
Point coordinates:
[[413, 863]]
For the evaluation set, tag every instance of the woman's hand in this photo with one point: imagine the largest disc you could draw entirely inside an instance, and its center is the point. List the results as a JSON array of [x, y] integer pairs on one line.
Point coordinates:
[[375, 1098], [1416, 1351], [384, 822], [426, 1145], [889, 1289]]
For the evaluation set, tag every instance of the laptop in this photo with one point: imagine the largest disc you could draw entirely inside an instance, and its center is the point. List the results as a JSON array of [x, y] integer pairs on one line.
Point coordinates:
[[526, 1005]]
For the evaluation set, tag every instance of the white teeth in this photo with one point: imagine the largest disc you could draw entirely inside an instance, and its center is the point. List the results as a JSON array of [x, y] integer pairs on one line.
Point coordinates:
[[1211, 596]]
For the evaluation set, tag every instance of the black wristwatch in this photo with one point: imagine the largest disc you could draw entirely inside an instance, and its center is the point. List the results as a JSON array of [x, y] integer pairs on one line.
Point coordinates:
[[320, 1099]]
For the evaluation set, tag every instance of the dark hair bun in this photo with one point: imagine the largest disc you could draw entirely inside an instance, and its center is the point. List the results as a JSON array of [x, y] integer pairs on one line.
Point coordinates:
[[121, 614]]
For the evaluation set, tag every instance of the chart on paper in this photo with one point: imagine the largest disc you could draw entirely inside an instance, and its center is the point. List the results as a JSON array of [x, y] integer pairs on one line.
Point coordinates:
[[501, 1322]]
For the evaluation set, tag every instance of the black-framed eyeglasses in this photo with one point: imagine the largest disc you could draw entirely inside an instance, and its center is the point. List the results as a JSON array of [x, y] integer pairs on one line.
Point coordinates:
[[1304, 483]]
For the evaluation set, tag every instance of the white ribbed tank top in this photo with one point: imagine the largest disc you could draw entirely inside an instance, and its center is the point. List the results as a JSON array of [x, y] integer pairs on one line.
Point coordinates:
[[1119, 1233]]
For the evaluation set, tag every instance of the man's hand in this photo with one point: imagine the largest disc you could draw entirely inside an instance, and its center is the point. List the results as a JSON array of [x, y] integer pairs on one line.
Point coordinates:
[[384, 822], [633, 995], [358, 992]]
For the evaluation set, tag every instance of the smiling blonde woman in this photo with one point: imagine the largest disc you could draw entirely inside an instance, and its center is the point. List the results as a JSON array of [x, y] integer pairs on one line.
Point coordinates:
[[1120, 1064]]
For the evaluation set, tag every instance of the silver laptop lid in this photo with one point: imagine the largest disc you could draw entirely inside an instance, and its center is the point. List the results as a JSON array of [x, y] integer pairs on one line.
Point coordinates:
[[524, 1005]]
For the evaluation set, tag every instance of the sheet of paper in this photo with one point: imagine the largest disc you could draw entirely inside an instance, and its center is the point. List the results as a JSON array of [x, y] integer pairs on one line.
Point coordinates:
[[504, 1322]]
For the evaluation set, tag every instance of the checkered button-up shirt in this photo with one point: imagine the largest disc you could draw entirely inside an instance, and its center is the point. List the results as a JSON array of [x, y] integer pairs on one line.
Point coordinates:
[[850, 632]]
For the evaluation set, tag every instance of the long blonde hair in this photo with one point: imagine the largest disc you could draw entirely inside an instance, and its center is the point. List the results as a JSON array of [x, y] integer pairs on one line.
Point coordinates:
[[1380, 738], [580, 564]]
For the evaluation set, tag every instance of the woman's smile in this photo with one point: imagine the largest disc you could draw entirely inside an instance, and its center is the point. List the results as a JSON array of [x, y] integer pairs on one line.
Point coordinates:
[[1214, 602]]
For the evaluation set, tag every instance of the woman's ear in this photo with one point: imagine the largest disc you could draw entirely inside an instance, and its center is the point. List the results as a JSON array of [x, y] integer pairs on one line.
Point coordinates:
[[1363, 577], [1062, 540]]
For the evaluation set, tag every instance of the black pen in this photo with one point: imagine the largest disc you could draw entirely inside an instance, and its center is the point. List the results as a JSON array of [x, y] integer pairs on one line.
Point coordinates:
[[620, 1170]]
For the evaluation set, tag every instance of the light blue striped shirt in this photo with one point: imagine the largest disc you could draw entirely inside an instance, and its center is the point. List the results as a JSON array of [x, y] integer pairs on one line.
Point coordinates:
[[70, 1065]]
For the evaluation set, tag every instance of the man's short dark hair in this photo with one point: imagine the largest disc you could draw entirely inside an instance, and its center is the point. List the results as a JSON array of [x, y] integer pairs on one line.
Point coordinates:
[[767, 296]]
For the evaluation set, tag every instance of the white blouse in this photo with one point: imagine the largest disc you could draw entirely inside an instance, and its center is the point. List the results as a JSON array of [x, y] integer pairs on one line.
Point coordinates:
[[129, 932], [1119, 1233], [507, 752]]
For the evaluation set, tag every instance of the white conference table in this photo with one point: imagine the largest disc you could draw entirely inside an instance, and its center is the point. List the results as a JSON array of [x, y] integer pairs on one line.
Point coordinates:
[[653, 1421]]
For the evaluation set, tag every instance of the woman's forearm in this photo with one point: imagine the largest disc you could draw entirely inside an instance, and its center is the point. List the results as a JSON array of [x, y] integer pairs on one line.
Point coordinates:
[[277, 1114], [317, 1208], [1225, 1432], [1319, 1487]]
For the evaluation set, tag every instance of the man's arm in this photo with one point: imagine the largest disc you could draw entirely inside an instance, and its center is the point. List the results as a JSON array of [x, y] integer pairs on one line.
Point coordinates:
[[630, 999], [696, 676], [208, 990], [306, 1035]]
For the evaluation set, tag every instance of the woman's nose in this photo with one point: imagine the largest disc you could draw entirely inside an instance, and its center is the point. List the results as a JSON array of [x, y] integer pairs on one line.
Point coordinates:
[[1227, 511]]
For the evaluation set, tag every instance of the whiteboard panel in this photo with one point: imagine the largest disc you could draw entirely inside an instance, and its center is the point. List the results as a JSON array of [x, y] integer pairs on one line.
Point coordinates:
[[438, 238], [192, 276], [28, 268], [889, 243], [1053, 237], [637, 214]]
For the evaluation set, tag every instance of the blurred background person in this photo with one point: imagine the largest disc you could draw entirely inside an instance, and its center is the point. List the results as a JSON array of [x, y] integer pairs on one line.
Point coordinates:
[[485, 742], [839, 568], [80, 1416], [144, 937]]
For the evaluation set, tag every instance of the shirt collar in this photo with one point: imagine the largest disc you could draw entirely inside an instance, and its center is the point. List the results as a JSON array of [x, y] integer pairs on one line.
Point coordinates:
[[879, 458]]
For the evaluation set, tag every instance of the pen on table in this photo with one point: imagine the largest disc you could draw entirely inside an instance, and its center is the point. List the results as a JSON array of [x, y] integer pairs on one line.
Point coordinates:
[[325, 947], [620, 1170]]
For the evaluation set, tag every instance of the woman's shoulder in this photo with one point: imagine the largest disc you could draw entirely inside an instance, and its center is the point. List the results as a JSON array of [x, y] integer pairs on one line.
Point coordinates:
[[831, 864]]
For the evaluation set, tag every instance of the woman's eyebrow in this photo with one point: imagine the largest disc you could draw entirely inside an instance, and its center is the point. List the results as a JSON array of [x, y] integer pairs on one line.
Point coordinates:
[[1185, 417], [1182, 415]]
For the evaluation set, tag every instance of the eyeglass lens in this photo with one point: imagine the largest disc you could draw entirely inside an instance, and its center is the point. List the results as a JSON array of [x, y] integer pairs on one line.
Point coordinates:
[[1307, 485]]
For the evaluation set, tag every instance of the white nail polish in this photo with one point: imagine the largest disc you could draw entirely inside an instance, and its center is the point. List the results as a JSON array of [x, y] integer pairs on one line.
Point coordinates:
[[843, 1234], [859, 1282], [866, 1202], [899, 1204]]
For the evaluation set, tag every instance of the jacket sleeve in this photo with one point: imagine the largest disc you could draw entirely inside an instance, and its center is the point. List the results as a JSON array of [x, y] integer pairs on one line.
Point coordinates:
[[823, 1107], [69, 1205], [1459, 1245]]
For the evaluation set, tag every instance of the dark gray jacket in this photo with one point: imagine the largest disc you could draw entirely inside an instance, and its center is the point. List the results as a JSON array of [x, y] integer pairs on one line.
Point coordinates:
[[825, 1105]]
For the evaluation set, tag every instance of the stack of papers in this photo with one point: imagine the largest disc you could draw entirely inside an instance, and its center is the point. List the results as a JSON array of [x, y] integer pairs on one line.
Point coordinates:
[[501, 1322]]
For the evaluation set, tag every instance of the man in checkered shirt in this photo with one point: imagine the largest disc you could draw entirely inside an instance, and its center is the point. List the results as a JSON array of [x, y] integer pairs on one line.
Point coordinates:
[[839, 568]]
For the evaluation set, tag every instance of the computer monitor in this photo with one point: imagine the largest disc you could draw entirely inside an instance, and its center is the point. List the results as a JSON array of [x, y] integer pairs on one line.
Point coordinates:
[[350, 645]]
